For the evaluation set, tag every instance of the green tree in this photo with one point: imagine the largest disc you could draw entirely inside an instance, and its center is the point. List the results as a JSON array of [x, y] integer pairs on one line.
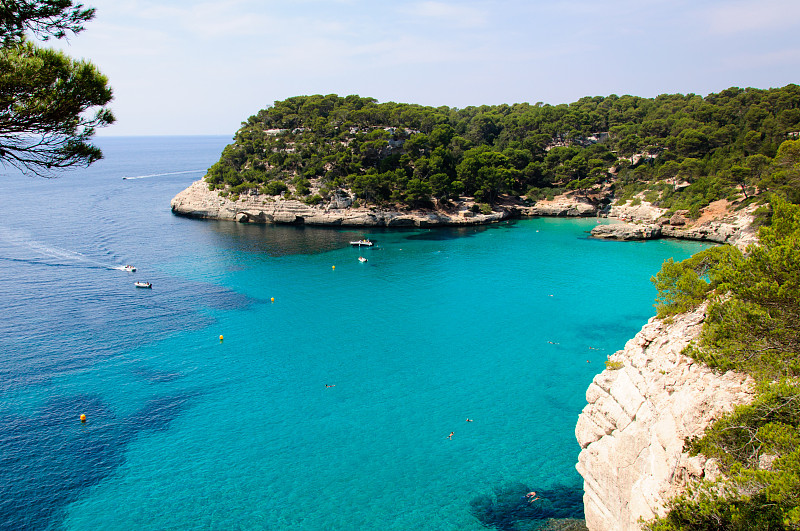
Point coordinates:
[[785, 175], [739, 176], [684, 285], [752, 326], [756, 326], [42, 18], [418, 192], [46, 98]]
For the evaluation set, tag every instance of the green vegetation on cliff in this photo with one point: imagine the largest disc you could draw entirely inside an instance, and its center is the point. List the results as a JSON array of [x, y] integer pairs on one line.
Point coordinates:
[[684, 151], [753, 326]]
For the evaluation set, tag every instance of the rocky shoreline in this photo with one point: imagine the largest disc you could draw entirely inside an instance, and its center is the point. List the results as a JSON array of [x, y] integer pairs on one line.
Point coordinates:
[[717, 223], [642, 222], [650, 397], [198, 201], [639, 411]]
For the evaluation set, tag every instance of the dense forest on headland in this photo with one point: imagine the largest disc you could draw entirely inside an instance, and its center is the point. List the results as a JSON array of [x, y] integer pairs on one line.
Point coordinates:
[[681, 151]]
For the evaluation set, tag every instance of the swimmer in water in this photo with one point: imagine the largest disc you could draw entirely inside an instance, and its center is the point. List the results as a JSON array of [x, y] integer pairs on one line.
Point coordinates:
[[450, 437]]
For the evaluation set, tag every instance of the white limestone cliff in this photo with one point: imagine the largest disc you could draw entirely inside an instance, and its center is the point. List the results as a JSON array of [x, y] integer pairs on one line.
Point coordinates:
[[200, 202], [638, 415]]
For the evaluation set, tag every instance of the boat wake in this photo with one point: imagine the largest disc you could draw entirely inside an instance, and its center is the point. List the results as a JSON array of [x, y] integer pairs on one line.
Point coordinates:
[[62, 256], [161, 174]]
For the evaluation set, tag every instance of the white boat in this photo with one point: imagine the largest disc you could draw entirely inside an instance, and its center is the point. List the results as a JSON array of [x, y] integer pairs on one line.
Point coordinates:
[[362, 259], [143, 285], [129, 268], [362, 242]]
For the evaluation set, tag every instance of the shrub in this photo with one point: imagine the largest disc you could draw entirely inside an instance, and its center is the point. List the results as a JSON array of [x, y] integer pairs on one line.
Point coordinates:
[[313, 200], [275, 188]]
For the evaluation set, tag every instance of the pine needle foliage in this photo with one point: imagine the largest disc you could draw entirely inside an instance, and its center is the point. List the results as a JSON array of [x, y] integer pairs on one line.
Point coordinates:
[[753, 326]]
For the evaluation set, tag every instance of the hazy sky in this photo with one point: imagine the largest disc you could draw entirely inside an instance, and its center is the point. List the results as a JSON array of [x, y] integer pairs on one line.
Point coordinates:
[[202, 67]]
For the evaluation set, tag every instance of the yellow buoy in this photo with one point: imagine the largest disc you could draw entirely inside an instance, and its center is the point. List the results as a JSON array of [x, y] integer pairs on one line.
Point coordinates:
[[83, 417], [272, 299], [334, 267], [220, 337]]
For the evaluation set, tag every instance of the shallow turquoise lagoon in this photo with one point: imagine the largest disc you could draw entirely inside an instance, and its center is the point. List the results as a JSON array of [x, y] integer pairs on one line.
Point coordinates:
[[329, 408]]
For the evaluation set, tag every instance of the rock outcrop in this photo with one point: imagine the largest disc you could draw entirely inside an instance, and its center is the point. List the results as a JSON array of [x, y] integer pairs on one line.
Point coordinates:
[[735, 230], [643, 212], [627, 231], [647, 222], [639, 412], [200, 202], [561, 207]]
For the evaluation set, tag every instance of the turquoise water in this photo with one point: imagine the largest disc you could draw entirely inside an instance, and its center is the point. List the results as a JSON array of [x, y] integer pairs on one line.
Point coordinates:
[[329, 408]]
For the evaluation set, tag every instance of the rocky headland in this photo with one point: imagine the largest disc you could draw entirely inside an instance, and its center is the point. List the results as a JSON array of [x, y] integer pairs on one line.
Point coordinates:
[[718, 222], [640, 409], [340, 209]]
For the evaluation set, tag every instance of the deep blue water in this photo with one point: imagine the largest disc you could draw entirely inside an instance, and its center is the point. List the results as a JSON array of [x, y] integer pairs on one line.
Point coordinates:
[[505, 325]]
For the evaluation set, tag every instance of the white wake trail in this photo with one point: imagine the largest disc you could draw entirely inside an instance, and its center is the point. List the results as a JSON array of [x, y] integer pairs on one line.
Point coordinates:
[[23, 239], [161, 174]]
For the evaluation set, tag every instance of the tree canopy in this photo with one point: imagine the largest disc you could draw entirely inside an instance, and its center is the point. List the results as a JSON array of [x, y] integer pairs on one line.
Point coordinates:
[[684, 150], [42, 18], [50, 104], [753, 326]]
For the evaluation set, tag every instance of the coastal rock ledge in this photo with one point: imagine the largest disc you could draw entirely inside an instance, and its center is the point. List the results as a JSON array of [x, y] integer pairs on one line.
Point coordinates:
[[632, 431], [198, 201]]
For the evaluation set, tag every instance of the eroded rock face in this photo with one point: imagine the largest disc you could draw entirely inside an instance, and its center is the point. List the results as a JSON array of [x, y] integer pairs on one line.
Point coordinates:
[[643, 212], [716, 225], [633, 428], [200, 202], [561, 207], [627, 231], [735, 230]]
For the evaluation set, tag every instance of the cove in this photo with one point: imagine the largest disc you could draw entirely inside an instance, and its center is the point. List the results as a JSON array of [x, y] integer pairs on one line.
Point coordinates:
[[329, 408]]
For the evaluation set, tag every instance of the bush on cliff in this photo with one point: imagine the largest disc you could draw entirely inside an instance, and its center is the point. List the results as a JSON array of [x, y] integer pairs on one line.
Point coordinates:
[[753, 326]]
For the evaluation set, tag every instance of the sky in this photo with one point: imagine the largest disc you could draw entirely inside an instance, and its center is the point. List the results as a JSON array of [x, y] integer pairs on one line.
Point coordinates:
[[181, 67]]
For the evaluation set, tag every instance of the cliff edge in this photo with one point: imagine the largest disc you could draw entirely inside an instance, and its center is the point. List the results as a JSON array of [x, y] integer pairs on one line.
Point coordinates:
[[638, 415], [339, 210], [718, 222]]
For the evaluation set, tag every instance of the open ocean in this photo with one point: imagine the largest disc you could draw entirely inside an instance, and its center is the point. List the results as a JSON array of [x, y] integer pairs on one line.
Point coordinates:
[[327, 409]]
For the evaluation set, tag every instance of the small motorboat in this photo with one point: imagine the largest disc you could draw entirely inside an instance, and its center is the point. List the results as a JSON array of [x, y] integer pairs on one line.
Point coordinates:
[[362, 259], [359, 243], [129, 268], [143, 285]]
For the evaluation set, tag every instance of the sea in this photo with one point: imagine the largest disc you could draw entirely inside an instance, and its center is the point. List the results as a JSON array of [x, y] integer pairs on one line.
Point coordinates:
[[271, 380]]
